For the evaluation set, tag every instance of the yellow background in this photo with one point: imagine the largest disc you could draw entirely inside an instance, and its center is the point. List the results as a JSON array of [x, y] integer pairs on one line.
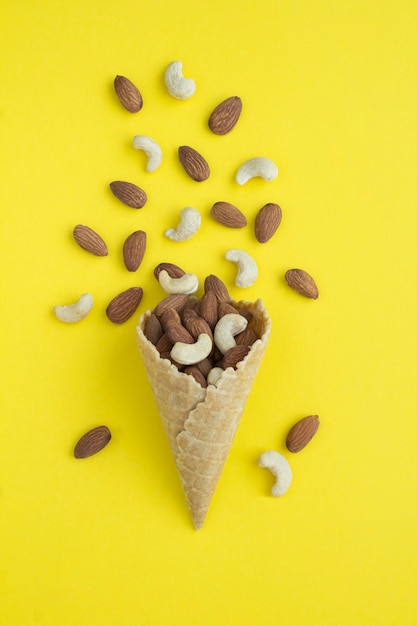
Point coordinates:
[[329, 93]]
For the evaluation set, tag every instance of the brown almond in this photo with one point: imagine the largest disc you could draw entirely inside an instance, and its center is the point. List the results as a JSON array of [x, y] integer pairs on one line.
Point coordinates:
[[196, 326], [122, 307], [128, 94], [170, 316], [234, 355], [153, 329], [217, 286], [247, 337], [92, 442], [267, 221], [173, 270], [225, 309], [302, 283], [165, 344], [193, 371], [204, 366], [134, 250], [302, 432], [225, 116], [193, 163], [208, 309], [89, 240], [177, 332], [177, 301], [228, 215], [129, 194]]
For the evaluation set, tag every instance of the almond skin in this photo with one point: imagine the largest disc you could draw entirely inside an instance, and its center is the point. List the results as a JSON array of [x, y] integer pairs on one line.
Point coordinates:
[[92, 442], [228, 215], [122, 307], [267, 221], [302, 432], [225, 116], [128, 94], [173, 270], [129, 194], [89, 240], [134, 250], [302, 283], [153, 330], [193, 163], [213, 283], [234, 355]]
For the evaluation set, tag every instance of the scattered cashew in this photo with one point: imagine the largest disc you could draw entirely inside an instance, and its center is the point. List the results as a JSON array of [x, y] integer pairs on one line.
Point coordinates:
[[225, 330], [214, 375], [259, 166], [247, 270], [178, 86], [189, 224], [190, 353], [151, 149], [77, 311], [187, 284], [280, 468]]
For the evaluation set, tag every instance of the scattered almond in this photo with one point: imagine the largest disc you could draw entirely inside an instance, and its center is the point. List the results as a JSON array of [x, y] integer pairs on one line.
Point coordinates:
[[134, 250], [193, 163], [89, 240], [302, 283], [129, 194], [92, 442], [173, 270], [122, 307], [225, 116], [128, 94], [302, 432], [228, 215], [267, 221]]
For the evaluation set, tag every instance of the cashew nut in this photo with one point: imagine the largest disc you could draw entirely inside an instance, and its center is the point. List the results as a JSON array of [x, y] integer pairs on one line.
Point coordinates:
[[259, 166], [214, 375], [189, 224], [280, 468], [77, 311], [247, 270], [225, 330], [187, 284], [151, 149], [190, 353], [178, 86]]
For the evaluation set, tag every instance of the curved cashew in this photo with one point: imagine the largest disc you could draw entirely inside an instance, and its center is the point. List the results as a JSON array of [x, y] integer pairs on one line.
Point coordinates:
[[280, 468], [187, 284], [259, 166], [214, 375], [178, 86], [190, 353], [151, 149], [225, 330], [247, 270], [77, 311], [189, 224]]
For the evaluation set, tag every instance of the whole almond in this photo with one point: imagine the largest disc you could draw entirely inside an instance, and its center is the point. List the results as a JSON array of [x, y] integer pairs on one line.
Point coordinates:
[[92, 442], [134, 250], [225, 116], [89, 240], [164, 344], [302, 432], [122, 307], [173, 270], [196, 326], [228, 215], [234, 355], [153, 329], [216, 285], [129, 194], [209, 308], [226, 308], [177, 301], [302, 283], [128, 94], [247, 337], [192, 370], [177, 332], [193, 163], [267, 221]]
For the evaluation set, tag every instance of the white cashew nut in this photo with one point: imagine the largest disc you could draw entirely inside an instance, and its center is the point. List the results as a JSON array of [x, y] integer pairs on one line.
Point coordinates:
[[247, 270], [214, 375], [189, 224], [75, 312], [151, 149], [186, 284], [259, 166], [280, 468], [190, 353], [225, 330], [178, 86]]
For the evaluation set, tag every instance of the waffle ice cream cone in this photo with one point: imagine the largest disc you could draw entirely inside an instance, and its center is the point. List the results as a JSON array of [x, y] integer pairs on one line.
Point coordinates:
[[201, 423]]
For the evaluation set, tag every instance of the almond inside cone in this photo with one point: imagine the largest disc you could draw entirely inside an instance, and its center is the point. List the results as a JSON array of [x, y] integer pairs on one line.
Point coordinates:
[[201, 423]]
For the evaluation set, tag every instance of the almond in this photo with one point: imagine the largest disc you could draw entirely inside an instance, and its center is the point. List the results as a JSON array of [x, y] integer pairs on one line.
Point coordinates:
[[228, 215], [209, 308], [234, 355], [177, 332], [225, 308], [128, 94], [225, 116], [92, 442], [177, 302], [134, 250], [164, 344], [153, 330], [302, 283], [193, 163], [122, 307], [196, 326], [217, 286], [89, 240], [267, 221], [302, 432], [129, 194], [247, 337], [192, 370], [173, 270]]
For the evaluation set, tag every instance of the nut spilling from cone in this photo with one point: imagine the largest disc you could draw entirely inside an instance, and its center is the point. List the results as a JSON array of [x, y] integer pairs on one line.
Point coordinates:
[[200, 417]]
